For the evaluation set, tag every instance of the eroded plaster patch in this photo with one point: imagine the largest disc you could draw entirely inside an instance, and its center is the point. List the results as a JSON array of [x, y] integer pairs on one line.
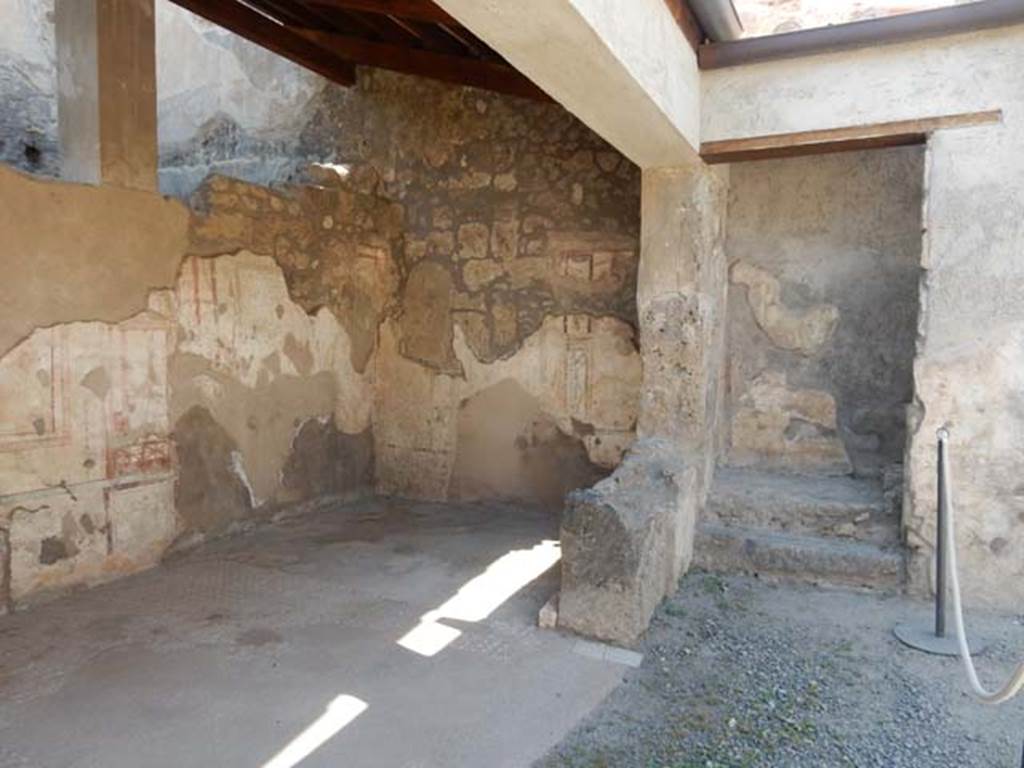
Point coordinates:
[[778, 426], [578, 373], [804, 331], [260, 364]]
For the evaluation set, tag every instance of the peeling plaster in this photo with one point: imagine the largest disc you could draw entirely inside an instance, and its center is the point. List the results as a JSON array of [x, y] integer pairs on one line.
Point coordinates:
[[804, 331]]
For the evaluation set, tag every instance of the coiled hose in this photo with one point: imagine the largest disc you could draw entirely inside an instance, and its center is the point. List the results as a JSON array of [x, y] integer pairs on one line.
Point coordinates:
[[1016, 681]]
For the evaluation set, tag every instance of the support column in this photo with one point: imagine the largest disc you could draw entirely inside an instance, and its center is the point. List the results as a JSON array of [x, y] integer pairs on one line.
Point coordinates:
[[627, 540], [106, 84]]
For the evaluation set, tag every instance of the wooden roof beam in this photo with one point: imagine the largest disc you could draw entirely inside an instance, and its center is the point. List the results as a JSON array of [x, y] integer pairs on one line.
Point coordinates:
[[488, 75], [266, 32], [415, 10]]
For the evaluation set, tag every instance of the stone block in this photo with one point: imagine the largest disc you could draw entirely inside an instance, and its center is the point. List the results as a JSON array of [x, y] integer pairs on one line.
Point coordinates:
[[625, 543]]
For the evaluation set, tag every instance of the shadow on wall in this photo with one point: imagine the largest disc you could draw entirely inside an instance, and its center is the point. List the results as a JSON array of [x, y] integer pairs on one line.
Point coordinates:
[[509, 448]]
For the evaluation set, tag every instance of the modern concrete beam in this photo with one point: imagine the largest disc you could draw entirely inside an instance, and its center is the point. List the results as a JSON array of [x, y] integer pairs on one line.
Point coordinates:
[[629, 74], [106, 78], [926, 79]]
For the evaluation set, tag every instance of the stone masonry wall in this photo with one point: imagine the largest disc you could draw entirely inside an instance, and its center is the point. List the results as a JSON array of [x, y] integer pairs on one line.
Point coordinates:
[[444, 311], [824, 268], [519, 252]]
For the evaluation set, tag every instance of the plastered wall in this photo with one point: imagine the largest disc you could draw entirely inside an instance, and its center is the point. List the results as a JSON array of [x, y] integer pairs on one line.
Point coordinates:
[[175, 410], [823, 291], [445, 311]]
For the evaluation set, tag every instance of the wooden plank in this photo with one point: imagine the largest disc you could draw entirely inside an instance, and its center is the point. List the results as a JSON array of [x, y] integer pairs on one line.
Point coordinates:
[[489, 75], [384, 28], [687, 22], [282, 40], [892, 134], [416, 10]]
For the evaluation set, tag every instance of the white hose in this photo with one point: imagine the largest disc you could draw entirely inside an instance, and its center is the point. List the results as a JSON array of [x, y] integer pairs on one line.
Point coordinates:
[[1016, 681]]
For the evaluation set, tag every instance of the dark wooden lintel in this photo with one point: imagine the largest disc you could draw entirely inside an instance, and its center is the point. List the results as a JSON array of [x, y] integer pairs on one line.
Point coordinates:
[[846, 139]]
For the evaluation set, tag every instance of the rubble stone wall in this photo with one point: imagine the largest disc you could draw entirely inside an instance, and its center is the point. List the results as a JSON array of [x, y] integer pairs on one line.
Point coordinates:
[[445, 310]]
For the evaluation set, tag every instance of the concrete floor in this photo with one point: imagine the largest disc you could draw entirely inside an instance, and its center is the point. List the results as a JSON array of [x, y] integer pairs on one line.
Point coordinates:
[[301, 642]]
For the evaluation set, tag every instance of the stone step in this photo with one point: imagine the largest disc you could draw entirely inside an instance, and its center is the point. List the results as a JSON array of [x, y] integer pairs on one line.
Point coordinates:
[[797, 557], [829, 506]]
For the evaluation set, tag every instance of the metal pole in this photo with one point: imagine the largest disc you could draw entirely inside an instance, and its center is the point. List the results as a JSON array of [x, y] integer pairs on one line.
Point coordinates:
[[940, 542], [924, 636]]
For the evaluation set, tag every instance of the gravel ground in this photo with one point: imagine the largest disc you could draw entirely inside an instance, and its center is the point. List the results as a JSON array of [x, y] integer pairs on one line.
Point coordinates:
[[739, 673]]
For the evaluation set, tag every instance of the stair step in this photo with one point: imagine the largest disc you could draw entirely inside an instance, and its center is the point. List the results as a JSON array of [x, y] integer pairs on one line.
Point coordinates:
[[847, 507], [797, 557]]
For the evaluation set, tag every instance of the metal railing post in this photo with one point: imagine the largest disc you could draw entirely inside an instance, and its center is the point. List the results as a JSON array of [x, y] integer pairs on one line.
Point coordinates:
[[940, 540]]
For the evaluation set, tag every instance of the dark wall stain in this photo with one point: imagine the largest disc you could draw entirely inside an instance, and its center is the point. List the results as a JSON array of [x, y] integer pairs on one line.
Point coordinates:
[[53, 549], [325, 461], [508, 447], [208, 493]]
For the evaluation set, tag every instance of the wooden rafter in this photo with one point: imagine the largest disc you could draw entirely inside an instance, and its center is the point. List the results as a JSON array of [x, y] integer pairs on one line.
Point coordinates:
[[415, 10], [273, 36], [332, 37], [489, 75]]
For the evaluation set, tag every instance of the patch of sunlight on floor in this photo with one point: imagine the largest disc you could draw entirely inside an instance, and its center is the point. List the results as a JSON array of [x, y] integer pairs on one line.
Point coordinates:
[[481, 596], [340, 712]]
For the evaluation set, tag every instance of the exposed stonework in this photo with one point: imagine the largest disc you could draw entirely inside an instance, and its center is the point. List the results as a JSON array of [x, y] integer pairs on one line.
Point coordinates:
[[627, 540], [334, 244], [313, 339], [450, 255], [529, 213]]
